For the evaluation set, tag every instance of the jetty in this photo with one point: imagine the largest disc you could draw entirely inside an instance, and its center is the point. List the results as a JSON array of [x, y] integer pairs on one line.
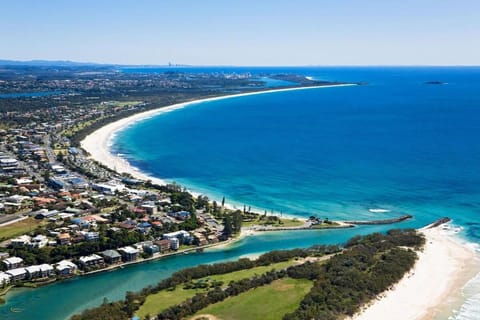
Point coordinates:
[[385, 221], [438, 222]]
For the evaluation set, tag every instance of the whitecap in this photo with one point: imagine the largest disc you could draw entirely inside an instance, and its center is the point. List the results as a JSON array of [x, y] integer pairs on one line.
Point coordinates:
[[378, 210]]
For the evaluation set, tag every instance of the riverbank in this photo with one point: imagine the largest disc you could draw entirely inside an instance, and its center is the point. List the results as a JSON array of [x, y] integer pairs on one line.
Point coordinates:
[[98, 143], [222, 244], [433, 287]]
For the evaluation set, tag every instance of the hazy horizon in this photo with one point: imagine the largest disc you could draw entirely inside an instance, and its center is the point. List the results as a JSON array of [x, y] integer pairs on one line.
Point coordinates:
[[269, 33]]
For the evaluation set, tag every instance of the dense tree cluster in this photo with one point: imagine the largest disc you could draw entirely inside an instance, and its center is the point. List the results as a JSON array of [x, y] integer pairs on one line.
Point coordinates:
[[369, 266], [232, 222], [202, 300], [185, 276]]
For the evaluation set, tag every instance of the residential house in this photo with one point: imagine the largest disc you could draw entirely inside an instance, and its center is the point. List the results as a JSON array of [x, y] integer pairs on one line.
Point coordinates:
[[17, 274], [4, 255], [174, 244], [177, 234], [163, 245], [183, 236], [33, 272], [151, 249], [127, 224], [65, 268], [128, 253], [47, 214], [39, 241], [63, 239], [144, 227], [91, 236], [12, 263], [47, 270], [21, 241], [4, 278], [39, 271], [180, 215], [149, 208], [111, 256], [108, 188], [91, 261]]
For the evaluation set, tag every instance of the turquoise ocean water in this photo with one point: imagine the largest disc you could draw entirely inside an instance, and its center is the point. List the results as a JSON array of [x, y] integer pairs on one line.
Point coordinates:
[[397, 144]]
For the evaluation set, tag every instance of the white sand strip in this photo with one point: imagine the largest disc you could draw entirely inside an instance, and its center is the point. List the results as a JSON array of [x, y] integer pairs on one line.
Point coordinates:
[[443, 268]]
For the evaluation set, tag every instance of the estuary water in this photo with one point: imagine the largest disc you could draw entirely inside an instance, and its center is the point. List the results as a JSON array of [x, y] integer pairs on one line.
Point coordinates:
[[396, 144]]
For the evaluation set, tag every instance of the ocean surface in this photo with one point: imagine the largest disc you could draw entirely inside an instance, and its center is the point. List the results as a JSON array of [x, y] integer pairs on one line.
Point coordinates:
[[396, 144]]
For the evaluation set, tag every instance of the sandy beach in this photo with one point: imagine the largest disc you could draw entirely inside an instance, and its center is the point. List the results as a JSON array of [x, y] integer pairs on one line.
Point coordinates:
[[433, 287], [98, 143]]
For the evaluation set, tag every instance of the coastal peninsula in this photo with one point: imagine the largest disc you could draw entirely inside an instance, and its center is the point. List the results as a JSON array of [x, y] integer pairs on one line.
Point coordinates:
[[72, 212]]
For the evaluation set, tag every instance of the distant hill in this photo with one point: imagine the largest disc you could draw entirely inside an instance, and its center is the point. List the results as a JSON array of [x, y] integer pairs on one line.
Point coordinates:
[[43, 63], [68, 63]]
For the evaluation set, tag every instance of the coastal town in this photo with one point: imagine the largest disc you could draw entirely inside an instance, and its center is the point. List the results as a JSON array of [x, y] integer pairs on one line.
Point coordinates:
[[63, 214], [69, 207], [249, 160]]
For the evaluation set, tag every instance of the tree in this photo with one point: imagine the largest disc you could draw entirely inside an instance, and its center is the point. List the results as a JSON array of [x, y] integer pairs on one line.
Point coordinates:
[[228, 228], [237, 219]]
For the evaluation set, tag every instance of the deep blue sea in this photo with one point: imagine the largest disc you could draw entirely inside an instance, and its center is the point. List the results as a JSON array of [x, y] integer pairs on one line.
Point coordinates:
[[396, 144]]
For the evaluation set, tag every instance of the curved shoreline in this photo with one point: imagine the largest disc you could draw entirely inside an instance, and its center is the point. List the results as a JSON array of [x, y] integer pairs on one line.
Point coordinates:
[[98, 143], [433, 288], [442, 270]]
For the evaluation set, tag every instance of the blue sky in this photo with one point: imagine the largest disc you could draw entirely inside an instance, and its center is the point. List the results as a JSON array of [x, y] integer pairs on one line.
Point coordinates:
[[207, 32]]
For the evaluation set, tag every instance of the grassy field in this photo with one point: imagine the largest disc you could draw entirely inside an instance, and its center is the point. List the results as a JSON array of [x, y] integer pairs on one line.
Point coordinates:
[[285, 223], [158, 302], [18, 228], [270, 302]]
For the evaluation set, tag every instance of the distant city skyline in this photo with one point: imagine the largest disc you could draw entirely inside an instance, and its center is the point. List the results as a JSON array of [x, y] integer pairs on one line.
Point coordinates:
[[246, 33]]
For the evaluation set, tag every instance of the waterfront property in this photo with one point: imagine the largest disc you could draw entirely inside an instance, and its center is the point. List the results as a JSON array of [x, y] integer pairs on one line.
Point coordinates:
[[164, 245], [17, 274], [39, 271], [4, 278], [92, 261], [111, 256], [12, 263], [128, 253], [65, 268]]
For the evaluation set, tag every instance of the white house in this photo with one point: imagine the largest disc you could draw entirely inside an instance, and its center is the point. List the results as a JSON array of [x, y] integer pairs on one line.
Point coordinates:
[[128, 253], [20, 241], [17, 274], [39, 241], [92, 260], [4, 278], [33, 272], [65, 267], [13, 262]]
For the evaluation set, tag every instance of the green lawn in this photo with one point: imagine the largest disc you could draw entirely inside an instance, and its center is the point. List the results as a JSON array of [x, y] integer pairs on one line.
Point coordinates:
[[160, 301], [242, 274], [270, 302], [18, 228], [285, 223]]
